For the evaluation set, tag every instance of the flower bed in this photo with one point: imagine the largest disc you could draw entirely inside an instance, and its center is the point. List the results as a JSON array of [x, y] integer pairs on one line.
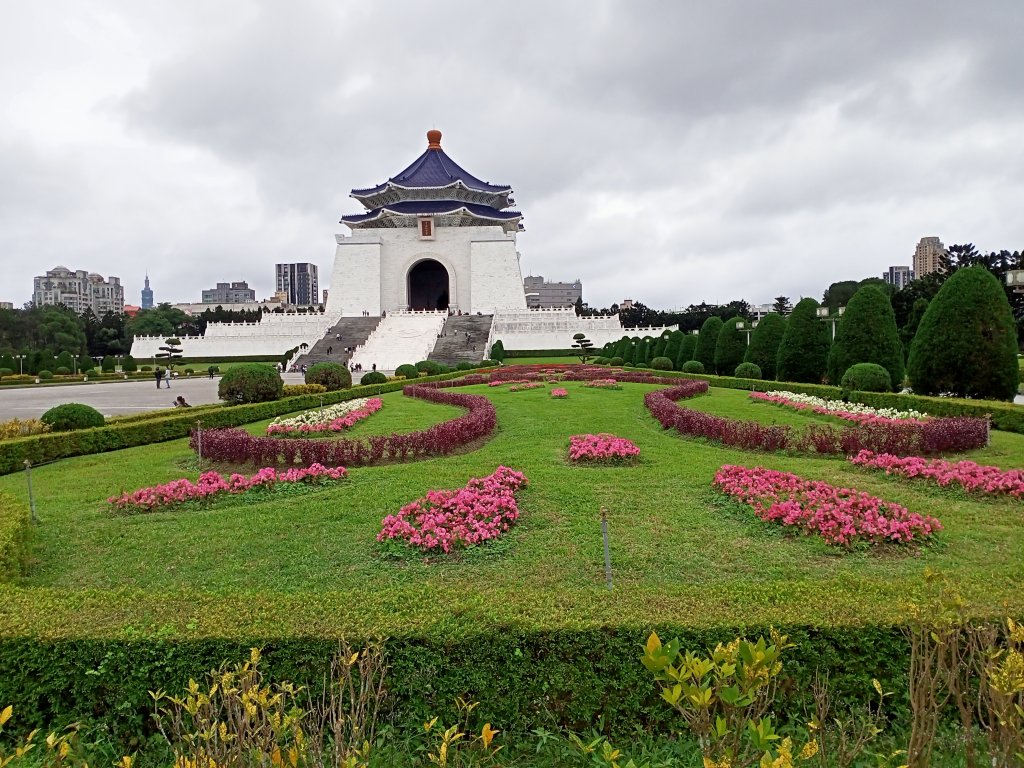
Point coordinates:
[[334, 418], [841, 516], [446, 521], [526, 385], [602, 384], [861, 414], [236, 446], [211, 484], [559, 393], [972, 477], [900, 437], [602, 448]]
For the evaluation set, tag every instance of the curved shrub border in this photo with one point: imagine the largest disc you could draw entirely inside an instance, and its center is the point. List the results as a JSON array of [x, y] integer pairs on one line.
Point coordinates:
[[236, 446], [937, 435]]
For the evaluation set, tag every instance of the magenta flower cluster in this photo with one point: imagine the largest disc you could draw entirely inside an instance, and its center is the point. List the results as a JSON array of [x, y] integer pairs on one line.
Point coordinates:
[[334, 425], [236, 446], [972, 477], [559, 392], [212, 484], [603, 384], [526, 385], [841, 516], [602, 448], [445, 521]]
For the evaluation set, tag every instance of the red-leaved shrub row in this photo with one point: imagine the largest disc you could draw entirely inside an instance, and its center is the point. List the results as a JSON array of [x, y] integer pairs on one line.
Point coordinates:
[[900, 438], [236, 446]]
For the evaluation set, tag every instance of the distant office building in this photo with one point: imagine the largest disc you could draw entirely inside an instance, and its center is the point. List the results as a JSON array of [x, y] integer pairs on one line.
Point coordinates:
[[325, 296], [147, 296], [229, 293], [80, 290], [6, 305], [928, 256], [545, 294], [299, 282], [898, 276]]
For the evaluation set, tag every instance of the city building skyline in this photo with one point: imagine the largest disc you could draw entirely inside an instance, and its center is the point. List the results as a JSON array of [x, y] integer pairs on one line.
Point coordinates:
[[928, 256], [79, 290], [299, 281], [237, 292]]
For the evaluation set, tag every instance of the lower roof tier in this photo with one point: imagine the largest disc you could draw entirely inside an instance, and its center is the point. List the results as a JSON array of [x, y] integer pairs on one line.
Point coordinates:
[[446, 213]]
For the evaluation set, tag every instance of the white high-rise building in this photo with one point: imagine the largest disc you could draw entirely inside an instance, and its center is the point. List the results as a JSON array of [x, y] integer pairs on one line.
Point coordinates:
[[928, 256], [80, 290], [898, 276]]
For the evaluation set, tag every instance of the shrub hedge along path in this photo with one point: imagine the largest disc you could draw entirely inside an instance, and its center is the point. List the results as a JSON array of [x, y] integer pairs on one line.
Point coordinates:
[[112, 607]]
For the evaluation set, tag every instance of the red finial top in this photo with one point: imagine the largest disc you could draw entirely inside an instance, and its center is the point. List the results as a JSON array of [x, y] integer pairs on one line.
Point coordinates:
[[433, 139]]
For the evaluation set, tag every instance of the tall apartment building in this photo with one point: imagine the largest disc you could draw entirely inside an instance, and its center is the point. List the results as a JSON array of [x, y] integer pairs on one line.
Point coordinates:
[[546, 294], [898, 276], [928, 256], [80, 290], [299, 282], [229, 293]]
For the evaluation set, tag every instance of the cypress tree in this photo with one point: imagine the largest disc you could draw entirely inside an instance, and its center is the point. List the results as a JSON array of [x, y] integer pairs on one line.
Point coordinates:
[[671, 350], [629, 355], [966, 343], [687, 345], [867, 334], [659, 346], [803, 351], [128, 364], [730, 347], [620, 347], [764, 344], [706, 341], [643, 351]]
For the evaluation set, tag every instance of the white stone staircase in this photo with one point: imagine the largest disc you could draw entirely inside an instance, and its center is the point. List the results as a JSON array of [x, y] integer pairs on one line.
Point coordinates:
[[401, 337]]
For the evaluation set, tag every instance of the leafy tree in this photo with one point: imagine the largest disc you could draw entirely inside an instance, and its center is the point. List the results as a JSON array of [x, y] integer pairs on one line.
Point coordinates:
[[671, 351], [704, 352], [583, 344], [128, 365], [782, 306], [162, 320], [838, 295], [803, 351], [64, 360], [659, 346], [620, 348], [908, 331], [763, 350], [497, 351], [170, 351], [730, 347], [687, 345], [967, 343], [867, 334], [629, 355]]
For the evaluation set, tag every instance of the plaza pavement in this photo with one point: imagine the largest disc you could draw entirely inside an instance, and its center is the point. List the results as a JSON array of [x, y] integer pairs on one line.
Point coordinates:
[[113, 397]]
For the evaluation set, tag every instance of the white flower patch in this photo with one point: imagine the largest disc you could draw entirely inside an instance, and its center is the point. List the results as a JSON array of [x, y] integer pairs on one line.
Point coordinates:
[[837, 406], [320, 415]]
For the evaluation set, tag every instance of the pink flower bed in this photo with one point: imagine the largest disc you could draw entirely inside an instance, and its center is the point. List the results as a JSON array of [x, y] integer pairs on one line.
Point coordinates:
[[334, 425], [841, 516], [445, 521], [559, 392], [212, 484], [972, 477], [603, 384], [602, 448], [526, 385]]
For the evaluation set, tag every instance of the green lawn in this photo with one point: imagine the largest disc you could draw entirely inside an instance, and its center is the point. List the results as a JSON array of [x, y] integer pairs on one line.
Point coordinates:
[[309, 564]]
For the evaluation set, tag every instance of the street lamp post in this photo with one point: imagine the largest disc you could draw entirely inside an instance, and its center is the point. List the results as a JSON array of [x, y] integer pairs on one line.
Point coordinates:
[[742, 327], [1015, 279], [75, 358], [824, 316], [21, 363]]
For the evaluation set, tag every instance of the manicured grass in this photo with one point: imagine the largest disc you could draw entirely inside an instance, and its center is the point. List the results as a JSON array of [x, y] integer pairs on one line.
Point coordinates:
[[309, 564]]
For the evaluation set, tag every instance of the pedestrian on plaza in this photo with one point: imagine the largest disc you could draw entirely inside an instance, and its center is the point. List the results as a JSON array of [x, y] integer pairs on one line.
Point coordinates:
[[179, 402], [329, 350], [211, 370], [159, 373], [167, 377]]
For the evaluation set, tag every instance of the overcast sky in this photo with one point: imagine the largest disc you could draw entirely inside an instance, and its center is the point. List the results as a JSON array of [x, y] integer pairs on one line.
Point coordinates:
[[669, 152]]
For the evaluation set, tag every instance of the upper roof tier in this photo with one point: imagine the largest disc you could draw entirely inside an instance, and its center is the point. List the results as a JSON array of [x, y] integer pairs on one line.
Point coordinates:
[[452, 213], [435, 176]]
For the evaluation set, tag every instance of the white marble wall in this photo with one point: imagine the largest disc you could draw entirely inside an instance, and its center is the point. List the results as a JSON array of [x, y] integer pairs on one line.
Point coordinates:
[[554, 329], [274, 335]]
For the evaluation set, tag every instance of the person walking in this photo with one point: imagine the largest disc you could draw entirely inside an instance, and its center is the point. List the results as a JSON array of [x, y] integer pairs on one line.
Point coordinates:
[[329, 350], [167, 377], [159, 373]]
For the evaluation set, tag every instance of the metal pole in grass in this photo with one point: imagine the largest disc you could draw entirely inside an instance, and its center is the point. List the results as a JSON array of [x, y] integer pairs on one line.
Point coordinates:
[[31, 496], [607, 554], [199, 441]]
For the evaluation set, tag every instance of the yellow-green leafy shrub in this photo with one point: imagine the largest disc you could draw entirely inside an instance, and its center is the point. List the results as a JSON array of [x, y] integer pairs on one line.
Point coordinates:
[[22, 427], [292, 390]]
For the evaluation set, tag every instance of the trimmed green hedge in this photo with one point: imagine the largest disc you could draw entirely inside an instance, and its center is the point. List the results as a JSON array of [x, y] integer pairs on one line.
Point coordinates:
[[512, 353], [562, 678], [14, 533], [128, 434]]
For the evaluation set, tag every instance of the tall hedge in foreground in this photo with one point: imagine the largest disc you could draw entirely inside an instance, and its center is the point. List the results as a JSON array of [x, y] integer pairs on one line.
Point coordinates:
[[707, 340], [966, 343], [764, 344], [867, 334], [730, 347], [687, 345], [803, 351]]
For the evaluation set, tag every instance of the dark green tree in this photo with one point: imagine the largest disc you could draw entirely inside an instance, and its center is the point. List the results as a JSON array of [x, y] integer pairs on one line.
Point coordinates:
[[764, 344], [908, 331], [730, 347], [659, 346], [620, 347], [671, 351], [583, 346], [838, 294], [687, 345], [704, 352], [782, 306], [867, 334], [803, 351], [497, 351], [966, 343], [629, 355]]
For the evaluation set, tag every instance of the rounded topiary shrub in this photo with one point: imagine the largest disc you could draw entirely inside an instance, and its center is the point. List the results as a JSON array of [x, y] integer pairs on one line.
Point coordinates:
[[803, 350], [488, 363], [128, 365], [250, 383], [72, 416], [373, 377], [146, 369], [331, 375], [661, 364], [707, 340], [692, 366], [866, 377], [189, 371], [6, 372], [407, 371], [62, 371], [867, 334], [730, 347], [464, 365], [429, 367], [747, 371], [763, 350], [45, 374], [616, 361]]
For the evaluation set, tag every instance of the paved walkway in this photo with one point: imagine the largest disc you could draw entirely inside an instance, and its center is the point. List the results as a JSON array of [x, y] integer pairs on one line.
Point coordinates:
[[113, 397]]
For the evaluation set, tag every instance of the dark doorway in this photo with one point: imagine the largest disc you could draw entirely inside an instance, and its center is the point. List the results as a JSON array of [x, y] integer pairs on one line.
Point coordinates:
[[428, 286]]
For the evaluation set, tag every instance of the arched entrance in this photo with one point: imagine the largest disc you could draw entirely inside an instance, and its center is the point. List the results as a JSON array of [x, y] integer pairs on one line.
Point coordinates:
[[428, 285]]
